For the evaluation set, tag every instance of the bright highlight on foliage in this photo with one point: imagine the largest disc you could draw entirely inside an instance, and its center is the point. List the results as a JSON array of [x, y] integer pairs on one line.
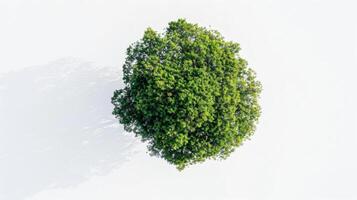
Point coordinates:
[[187, 93]]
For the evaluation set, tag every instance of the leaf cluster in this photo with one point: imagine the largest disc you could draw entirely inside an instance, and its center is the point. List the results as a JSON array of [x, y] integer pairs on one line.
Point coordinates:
[[187, 93]]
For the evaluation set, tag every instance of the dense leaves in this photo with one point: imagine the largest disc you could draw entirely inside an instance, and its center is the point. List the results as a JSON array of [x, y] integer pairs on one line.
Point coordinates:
[[187, 93]]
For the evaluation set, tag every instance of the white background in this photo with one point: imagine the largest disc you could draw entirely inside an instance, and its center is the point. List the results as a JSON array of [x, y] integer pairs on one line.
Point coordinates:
[[304, 52]]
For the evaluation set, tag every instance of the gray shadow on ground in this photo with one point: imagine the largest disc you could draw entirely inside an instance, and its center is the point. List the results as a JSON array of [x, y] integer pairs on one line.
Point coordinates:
[[56, 127]]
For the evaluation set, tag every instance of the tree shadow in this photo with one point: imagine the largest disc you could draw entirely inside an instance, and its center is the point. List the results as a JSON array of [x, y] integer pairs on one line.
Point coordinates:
[[56, 127]]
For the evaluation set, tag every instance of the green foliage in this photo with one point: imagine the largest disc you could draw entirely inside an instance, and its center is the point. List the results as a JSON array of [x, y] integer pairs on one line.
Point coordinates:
[[188, 94]]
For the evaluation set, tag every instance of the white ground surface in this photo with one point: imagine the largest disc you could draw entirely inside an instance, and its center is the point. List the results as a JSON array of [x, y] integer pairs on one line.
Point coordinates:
[[58, 140]]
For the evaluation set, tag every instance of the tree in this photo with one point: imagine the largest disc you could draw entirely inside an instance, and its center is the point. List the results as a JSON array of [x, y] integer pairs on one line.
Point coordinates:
[[188, 94]]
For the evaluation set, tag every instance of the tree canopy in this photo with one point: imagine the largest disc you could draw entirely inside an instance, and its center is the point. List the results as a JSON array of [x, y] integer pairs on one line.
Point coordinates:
[[188, 94]]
